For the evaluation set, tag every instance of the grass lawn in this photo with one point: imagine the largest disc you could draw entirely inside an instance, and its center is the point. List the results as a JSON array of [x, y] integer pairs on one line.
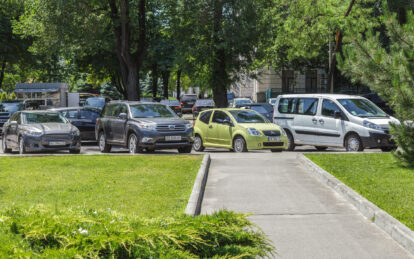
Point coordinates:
[[132, 185], [377, 177]]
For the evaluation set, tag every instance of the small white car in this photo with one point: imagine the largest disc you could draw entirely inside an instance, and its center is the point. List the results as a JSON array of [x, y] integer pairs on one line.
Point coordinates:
[[238, 102], [331, 120]]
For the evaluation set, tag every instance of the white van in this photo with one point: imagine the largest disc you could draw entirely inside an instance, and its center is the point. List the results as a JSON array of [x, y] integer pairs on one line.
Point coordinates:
[[331, 120]]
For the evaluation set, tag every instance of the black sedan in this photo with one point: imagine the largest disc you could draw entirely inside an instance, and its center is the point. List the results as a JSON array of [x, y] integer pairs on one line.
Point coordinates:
[[201, 105], [264, 109], [174, 105], [39, 131], [84, 118]]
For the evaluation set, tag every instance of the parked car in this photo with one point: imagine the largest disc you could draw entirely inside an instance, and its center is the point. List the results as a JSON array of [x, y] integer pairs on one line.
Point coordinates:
[[238, 102], [174, 105], [188, 101], [265, 109], [96, 102], [7, 108], [37, 104], [230, 97], [84, 96], [272, 101], [140, 126], [237, 129], [328, 120], [201, 105], [84, 118], [39, 131]]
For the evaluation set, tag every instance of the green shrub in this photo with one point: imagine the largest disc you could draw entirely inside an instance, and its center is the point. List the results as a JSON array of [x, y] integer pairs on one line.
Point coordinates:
[[41, 233]]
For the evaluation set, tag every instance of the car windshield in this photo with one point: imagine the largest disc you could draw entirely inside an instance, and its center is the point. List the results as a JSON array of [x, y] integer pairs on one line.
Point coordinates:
[[247, 116], [95, 102], [259, 109], [33, 118], [243, 101], [171, 102], [362, 108], [151, 111], [11, 107]]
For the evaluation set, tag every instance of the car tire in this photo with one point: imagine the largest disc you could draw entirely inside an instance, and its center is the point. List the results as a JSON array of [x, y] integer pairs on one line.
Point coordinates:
[[320, 148], [276, 150], [185, 150], [22, 147], [291, 142], [239, 144], [103, 145], [388, 149], [4, 147], [75, 151], [198, 143], [133, 145], [353, 143]]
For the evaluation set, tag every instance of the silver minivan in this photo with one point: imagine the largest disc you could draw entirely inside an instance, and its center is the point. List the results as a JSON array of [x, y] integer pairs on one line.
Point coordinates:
[[332, 120]]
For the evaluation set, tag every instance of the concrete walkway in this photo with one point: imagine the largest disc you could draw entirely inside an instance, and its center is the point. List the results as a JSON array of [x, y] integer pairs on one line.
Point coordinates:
[[304, 218]]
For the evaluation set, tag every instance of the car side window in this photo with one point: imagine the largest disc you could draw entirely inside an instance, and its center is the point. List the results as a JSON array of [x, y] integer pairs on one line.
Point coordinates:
[[287, 105], [70, 114], [15, 117], [123, 109], [205, 117], [108, 110], [89, 115], [329, 108], [219, 117], [307, 106]]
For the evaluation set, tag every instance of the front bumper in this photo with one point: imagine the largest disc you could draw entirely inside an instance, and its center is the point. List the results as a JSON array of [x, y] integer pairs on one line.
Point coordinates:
[[378, 140], [157, 140], [262, 142], [43, 143]]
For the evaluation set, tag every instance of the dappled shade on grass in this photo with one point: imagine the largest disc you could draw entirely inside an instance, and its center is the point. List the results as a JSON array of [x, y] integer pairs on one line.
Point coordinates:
[[133, 185], [378, 177]]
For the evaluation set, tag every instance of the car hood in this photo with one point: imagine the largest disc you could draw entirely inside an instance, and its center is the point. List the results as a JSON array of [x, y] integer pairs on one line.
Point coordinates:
[[260, 126], [49, 128], [161, 121], [383, 122]]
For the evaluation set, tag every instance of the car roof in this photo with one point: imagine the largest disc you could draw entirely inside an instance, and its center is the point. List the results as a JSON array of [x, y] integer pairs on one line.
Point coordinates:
[[131, 102], [38, 111], [319, 95], [75, 108]]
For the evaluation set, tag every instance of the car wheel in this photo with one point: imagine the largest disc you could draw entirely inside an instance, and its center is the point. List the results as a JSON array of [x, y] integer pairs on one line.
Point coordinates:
[[388, 149], [133, 146], [185, 150], [319, 148], [353, 143], [239, 144], [103, 146], [291, 142], [198, 144], [276, 150], [75, 151], [22, 146], [4, 147]]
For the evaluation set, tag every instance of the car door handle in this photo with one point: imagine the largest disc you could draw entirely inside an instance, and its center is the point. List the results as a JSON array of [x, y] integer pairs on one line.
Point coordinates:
[[210, 127], [314, 120], [321, 121]]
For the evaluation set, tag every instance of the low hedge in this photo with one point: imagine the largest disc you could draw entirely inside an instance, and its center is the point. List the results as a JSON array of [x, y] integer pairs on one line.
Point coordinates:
[[39, 232]]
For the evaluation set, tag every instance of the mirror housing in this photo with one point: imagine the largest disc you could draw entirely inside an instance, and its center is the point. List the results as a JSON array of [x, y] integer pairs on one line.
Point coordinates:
[[123, 116], [228, 122], [338, 115]]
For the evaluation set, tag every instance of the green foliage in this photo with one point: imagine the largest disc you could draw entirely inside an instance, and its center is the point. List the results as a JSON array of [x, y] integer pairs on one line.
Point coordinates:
[[92, 234], [377, 177], [7, 96], [388, 70]]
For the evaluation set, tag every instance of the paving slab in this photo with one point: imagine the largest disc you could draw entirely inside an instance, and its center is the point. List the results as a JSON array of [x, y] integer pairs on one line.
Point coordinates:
[[303, 217]]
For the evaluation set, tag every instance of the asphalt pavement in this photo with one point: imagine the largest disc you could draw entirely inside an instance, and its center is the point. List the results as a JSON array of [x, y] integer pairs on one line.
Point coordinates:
[[301, 216]]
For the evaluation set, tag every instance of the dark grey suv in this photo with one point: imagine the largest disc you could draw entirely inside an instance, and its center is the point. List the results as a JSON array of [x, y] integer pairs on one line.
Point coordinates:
[[142, 126]]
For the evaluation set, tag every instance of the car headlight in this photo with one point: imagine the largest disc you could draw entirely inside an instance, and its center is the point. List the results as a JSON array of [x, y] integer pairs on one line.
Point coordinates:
[[188, 126], [75, 133], [253, 132], [371, 125], [283, 132], [147, 126], [33, 133]]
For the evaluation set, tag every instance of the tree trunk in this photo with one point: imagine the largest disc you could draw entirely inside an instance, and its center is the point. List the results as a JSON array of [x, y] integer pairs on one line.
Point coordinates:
[[165, 79], [219, 76], [178, 84], [154, 80], [2, 71]]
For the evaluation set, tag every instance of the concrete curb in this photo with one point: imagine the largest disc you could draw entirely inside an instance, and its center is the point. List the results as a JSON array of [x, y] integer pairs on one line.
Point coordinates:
[[398, 231], [196, 198]]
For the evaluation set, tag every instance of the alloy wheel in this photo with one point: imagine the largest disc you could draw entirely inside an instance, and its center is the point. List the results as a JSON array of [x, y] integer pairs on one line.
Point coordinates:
[[353, 144], [239, 145], [132, 144], [3, 143], [102, 142], [21, 146], [197, 143]]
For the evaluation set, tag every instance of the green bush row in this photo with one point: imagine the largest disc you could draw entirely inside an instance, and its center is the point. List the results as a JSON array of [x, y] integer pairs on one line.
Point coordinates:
[[65, 234]]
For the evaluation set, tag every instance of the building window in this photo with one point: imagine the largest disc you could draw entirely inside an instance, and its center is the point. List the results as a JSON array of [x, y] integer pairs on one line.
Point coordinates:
[[288, 81], [311, 85]]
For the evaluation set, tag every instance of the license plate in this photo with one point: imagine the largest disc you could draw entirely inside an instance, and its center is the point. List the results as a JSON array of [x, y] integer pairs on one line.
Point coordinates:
[[273, 138], [172, 138], [57, 143]]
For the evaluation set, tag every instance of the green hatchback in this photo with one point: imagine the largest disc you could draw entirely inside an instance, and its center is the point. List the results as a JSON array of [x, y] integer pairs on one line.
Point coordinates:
[[237, 129]]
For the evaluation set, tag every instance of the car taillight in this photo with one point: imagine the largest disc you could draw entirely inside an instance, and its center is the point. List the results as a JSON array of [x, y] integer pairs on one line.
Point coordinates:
[[195, 108], [96, 121], [178, 107], [181, 103]]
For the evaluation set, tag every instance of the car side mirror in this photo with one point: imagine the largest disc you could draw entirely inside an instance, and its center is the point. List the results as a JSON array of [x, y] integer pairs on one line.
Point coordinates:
[[338, 115], [228, 122], [123, 116], [13, 123], [179, 114]]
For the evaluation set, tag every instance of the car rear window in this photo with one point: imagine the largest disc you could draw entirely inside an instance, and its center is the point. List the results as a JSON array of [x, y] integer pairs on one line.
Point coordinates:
[[189, 97], [204, 102], [287, 105], [171, 102]]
